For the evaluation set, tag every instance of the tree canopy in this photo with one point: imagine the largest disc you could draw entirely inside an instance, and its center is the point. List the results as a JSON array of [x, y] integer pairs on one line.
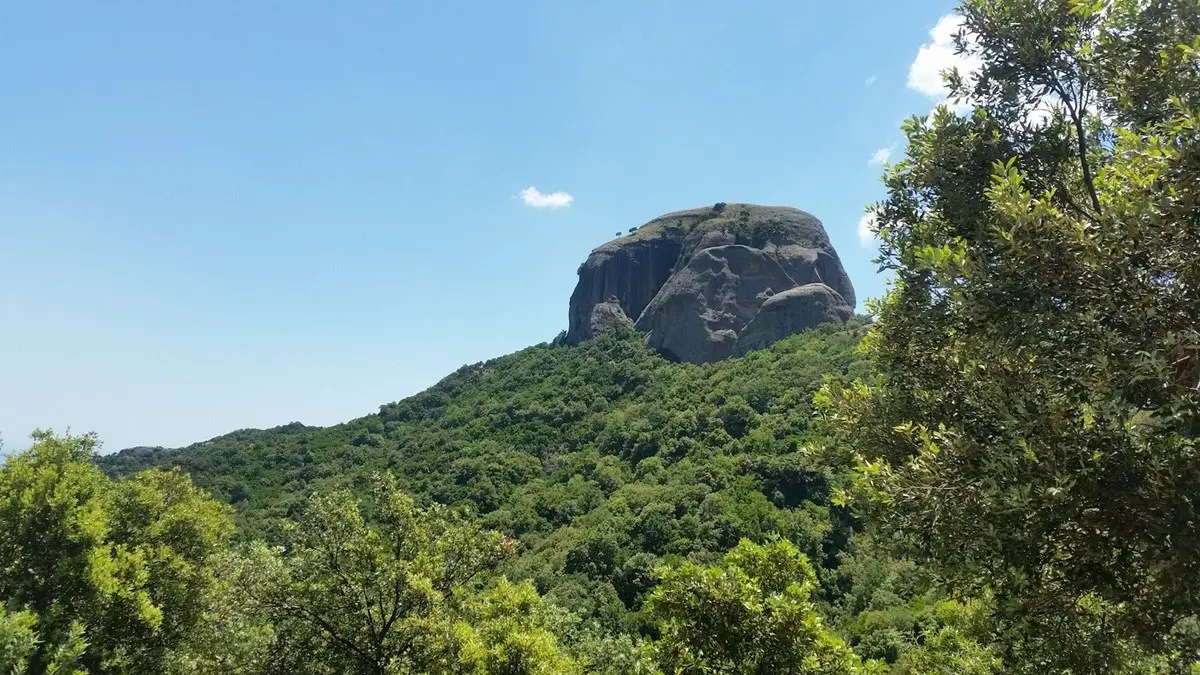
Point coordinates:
[[106, 575], [1030, 429]]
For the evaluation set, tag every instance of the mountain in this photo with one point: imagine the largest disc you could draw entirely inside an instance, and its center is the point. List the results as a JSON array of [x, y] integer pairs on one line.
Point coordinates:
[[600, 458], [706, 284], [621, 445]]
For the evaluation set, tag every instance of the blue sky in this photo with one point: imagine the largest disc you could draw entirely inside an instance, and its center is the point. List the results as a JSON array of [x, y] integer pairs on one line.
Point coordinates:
[[218, 215]]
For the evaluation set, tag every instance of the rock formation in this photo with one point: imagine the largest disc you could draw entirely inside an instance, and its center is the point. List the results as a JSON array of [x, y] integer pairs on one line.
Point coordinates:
[[792, 311], [710, 283], [606, 316]]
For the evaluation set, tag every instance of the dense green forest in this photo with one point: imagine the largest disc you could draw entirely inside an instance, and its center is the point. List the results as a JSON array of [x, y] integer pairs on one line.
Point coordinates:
[[998, 472], [601, 460]]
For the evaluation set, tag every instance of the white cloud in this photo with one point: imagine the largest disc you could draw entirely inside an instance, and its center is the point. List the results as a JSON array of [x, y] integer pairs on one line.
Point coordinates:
[[540, 200], [871, 80], [866, 229], [880, 157], [936, 56]]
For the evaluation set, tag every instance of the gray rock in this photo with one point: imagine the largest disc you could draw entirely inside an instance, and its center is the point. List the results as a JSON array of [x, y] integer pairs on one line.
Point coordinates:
[[693, 279], [607, 316], [790, 312], [699, 311], [631, 269]]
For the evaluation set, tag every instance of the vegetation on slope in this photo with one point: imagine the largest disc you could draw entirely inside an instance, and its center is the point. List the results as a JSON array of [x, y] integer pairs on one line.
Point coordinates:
[[597, 553], [600, 459], [144, 579]]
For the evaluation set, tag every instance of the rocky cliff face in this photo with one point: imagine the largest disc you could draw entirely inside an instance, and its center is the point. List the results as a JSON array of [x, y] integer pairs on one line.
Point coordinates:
[[710, 283]]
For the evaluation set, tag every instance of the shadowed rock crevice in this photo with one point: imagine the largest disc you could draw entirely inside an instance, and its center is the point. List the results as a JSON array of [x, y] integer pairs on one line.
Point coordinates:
[[694, 281], [792, 311]]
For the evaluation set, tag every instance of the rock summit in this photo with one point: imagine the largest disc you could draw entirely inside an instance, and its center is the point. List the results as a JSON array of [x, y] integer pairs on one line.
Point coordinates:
[[710, 283]]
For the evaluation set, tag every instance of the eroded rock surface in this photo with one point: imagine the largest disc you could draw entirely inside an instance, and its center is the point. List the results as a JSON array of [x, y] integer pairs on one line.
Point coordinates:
[[697, 314], [607, 316], [695, 280], [794, 310]]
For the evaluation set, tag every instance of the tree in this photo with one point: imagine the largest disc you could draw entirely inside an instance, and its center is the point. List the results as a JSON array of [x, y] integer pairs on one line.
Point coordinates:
[[232, 637], [951, 646], [505, 631], [19, 645], [387, 587], [752, 614], [1032, 429], [112, 572]]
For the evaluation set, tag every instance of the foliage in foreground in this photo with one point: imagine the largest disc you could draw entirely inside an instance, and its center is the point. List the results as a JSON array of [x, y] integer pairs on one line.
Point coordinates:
[[105, 575], [380, 585], [752, 614], [387, 587], [138, 576], [375, 585], [1031, 430]]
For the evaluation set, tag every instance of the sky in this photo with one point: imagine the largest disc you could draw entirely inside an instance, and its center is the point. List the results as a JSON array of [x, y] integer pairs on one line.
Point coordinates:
[[220, 215]]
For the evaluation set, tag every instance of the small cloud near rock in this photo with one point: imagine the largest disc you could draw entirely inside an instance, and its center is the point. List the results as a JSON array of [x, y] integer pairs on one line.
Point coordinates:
[[535, 198]]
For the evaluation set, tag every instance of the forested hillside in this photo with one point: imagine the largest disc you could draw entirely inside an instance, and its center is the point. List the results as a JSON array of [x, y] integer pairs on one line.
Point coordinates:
[[613, 483], [600, 459]]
